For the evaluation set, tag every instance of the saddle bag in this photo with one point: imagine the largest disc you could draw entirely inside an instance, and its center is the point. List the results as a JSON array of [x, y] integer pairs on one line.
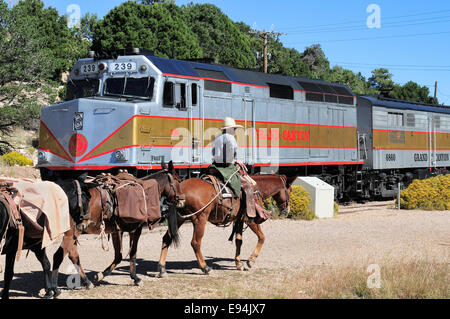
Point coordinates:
[[137, 201]]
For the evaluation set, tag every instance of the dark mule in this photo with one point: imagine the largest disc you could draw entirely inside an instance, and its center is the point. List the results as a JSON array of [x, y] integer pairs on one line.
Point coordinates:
[[276, 186], [32, 240], [202, 205], [98, 224]]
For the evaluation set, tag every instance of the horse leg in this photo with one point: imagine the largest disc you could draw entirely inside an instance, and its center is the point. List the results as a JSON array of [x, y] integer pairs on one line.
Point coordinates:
[[74, 256], [238, 241], [134, 239], [45, 263], [199, 231], [166, 242], [9, 272], [68, 245], [256, 228], [117, 243]]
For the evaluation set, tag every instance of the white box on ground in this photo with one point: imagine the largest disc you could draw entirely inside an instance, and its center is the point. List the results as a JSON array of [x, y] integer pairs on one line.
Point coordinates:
[[322, 196]]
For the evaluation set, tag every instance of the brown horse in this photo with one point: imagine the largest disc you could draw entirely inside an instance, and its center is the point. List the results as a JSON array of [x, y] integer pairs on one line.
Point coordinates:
[[202, 205], [97, 224]]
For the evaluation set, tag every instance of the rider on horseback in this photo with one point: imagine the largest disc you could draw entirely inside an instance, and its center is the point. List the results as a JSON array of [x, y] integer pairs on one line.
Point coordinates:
[[224, 151]]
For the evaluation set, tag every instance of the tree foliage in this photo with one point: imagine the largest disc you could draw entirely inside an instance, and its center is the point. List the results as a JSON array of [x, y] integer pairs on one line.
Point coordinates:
[[218, 36], [159, 27]]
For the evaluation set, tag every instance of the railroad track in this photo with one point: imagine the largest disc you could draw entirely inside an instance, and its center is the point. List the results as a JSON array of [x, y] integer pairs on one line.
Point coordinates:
[[356, 207]]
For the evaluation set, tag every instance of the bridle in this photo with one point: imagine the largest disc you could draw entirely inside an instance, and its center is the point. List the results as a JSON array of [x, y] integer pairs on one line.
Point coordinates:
[[179, 198], [284, 207]]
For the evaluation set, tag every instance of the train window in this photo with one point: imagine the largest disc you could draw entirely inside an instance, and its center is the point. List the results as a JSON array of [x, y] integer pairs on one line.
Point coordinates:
[[181, 99], [168, 95], [130, 87], [395, 119], [222, 85], [281, 91], [213, 74], [326, 93], [194, 95], [437, 121], [410, 120], [77, 89], [218, 86], [345, 100]]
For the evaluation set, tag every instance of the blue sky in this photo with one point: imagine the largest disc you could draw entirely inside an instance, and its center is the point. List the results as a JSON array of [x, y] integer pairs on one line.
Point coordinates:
[[413, 41]]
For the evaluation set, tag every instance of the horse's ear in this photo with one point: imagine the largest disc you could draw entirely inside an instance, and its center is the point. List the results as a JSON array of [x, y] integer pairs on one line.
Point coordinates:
[[171, 167], [82, 177], [163, 165]]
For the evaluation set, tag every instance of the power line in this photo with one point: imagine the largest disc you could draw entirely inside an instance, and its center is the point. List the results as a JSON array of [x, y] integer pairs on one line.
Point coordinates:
[[362, 21], [385, 26], [377, 38]]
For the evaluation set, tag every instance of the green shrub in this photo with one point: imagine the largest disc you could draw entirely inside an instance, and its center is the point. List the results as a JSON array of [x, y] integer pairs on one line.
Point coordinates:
[[15, 158], [428, 194], [299, 204]]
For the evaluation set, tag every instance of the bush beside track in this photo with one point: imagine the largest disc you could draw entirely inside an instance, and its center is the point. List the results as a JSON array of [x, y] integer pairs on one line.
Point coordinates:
[[428, 194]]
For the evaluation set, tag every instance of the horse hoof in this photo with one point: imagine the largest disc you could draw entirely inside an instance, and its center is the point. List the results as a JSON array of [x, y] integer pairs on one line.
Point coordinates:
[[250, 264], [138, 283], [206, 270], [98, 277], [56, 292], [48, 294], [88, 284], [239, 266]]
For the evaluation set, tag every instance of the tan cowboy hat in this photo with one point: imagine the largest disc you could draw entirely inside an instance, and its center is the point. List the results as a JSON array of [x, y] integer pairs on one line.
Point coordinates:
[[228, 123]]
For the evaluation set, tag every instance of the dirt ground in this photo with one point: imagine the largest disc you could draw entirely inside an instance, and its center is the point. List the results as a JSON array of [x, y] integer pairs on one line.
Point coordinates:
[[358, 239]]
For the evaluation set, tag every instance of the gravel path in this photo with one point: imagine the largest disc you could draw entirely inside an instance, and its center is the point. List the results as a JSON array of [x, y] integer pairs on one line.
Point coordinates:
[[362, 238]]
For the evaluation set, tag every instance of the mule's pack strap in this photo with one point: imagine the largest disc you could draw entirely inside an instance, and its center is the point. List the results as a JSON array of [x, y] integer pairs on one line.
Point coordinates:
[[15, 218]]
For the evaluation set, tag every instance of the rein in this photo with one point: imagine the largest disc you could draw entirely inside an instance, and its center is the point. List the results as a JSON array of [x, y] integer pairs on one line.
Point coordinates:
[[211, 201]]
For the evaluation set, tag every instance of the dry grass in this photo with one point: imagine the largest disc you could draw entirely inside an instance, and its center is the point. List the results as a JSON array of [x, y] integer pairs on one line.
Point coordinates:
[[420, 279]]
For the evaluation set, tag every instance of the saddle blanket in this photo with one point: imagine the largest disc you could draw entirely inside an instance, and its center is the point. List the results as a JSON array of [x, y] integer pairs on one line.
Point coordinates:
[[43, 205]]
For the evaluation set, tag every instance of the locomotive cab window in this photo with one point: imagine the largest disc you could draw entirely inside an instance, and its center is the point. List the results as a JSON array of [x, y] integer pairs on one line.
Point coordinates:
[[130, 87], [194, 95], [168, 98], [77, 89]]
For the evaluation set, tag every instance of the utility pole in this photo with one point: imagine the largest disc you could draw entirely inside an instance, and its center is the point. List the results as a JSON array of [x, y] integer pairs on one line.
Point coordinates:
[[264, 35], [435, 90]]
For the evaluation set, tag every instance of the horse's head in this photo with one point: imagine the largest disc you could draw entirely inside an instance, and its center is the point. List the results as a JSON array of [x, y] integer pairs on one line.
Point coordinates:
[[79, 198], [173, 192], [169, 184]]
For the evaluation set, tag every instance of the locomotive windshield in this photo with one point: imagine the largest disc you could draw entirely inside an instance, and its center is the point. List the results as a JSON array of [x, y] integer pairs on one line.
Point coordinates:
[[130, 87], [77, 89]]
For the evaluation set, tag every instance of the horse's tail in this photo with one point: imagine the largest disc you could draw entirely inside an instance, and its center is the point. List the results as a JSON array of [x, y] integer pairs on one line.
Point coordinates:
[[172, 220], [237, 227]]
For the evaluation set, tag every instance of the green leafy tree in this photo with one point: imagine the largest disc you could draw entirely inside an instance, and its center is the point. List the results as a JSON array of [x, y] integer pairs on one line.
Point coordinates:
[[381, 81], [411, 91], [356, 82], [159, 27], [218, 36], [316, 60]]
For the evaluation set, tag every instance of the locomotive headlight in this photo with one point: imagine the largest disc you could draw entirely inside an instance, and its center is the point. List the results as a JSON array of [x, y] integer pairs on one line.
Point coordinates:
[[78, 121], [143, 68], [42, 157], [120, 155]]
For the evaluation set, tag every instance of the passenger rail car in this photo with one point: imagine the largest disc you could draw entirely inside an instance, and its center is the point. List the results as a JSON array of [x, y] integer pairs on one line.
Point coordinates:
[[401, 141], [135, 111]]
